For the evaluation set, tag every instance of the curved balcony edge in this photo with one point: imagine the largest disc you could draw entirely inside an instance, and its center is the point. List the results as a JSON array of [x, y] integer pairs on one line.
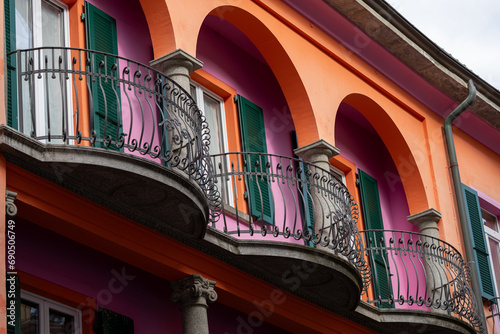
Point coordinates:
[[287, 199], [414, 271], [316, 275], [161, 198], [412, 321]]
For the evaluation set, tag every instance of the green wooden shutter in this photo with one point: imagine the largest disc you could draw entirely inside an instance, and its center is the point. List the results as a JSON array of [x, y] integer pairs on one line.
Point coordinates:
[[475, 221], [372, 215], [305, 199], [101, 36], [10, 45], [13, 289], [109, 322], [254, 140]]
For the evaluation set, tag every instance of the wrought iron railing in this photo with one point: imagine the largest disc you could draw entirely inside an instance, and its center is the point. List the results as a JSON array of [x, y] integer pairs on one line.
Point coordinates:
[[419, 271], [493, 319], [289, 199], [82, 97]]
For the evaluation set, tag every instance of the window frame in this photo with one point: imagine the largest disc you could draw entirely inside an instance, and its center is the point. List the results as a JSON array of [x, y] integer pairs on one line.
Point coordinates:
[[491, 234], [37, 41], [45, 304], [199, 97]]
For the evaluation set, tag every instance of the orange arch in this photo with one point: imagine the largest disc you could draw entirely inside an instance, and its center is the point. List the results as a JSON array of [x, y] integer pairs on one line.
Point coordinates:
[[160, 26], [282, 66], [402, 155]]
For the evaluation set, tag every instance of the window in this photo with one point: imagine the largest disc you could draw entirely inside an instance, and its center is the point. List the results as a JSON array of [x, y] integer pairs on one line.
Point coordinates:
[[337, 174], [212, 108], [492, 231], [31, 24], [43, 316]]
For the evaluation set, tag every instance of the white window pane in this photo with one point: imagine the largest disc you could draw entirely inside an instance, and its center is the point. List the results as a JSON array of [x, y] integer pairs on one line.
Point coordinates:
[[212, 115], [30, 314], [489, 220], [61, 323], [24, 25], [495, 259]]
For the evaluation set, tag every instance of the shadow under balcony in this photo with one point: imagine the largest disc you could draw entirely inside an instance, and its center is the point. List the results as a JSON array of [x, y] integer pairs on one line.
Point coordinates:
[[290, 223], [112, 130], [419, 284]]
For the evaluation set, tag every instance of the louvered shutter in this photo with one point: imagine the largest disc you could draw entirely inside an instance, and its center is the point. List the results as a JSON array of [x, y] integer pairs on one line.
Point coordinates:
[[101, 36], [10, 45], [109, 322], [475, 221], [13, 305], [372, 215], [305, 199], [254, 140]]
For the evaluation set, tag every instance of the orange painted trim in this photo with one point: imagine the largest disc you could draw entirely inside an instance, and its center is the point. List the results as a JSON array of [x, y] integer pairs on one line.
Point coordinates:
[[81, 220], [86, 305], [344, 63]]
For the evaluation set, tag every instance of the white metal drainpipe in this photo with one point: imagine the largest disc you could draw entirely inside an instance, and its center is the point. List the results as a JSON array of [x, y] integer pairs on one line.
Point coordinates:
[[457, 183]]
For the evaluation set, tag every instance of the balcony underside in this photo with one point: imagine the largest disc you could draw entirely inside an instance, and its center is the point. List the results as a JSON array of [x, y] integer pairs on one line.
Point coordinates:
[[318, 276], [410, 321], [144, 191]]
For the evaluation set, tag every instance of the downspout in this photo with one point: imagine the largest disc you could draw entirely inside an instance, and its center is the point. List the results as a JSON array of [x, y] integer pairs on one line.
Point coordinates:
[[457, 184]]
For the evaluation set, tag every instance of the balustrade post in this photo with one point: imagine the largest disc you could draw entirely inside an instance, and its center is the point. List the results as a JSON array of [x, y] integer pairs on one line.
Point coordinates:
[[179, 112], [438, 287], [177, 66], [194, 292], [318, 154]]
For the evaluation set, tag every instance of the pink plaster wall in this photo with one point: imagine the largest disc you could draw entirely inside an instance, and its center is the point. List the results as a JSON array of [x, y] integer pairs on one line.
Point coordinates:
[[145, 298], [134, 43]]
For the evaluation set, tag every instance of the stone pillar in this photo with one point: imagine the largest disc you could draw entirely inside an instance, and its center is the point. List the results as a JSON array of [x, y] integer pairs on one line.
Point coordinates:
[[318, 154], [194, 292], [177, 66], [10, 207], [177, 113], [436, 277]]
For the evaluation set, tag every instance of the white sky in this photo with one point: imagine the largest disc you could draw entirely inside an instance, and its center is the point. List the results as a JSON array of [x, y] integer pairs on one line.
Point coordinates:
[[468, 30]]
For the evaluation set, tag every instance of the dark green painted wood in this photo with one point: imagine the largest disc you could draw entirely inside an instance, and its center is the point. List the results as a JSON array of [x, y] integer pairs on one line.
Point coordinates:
[[109, 322], [372, 215], [254, 140], [10, 45], [101, 36], [479, 245], [13, 304]]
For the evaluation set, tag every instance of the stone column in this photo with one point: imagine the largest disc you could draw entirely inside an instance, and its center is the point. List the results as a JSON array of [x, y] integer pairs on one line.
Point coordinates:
[[194, 293], [436, 277], [10, 207], [178, 112], [177, 66], [318, 154]]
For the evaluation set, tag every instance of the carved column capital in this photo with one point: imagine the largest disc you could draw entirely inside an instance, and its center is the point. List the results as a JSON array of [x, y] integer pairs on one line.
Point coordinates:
[[193, 289], [10, 207], [177, 65], [426, 221], [319, 151]]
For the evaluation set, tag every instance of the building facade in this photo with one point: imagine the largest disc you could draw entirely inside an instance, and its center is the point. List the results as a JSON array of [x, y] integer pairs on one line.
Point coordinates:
[[251, 166]]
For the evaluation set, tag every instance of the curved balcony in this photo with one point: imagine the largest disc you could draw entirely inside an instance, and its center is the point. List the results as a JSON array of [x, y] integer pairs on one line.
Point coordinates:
[[284, 212], [75, 104], [415, 271], [493, 318]]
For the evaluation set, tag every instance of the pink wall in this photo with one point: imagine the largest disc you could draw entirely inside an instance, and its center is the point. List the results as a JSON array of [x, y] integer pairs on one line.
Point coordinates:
[[239, 66], [134, 43], [359, 143], [145, 298]]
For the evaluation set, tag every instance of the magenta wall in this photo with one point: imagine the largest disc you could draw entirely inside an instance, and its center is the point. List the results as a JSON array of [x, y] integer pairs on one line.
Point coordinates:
[[241, 67], [134, 43], [359, 143], [145, 298]]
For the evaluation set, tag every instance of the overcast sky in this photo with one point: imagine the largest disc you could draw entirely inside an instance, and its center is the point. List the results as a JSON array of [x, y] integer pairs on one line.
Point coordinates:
[[468, 30]]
